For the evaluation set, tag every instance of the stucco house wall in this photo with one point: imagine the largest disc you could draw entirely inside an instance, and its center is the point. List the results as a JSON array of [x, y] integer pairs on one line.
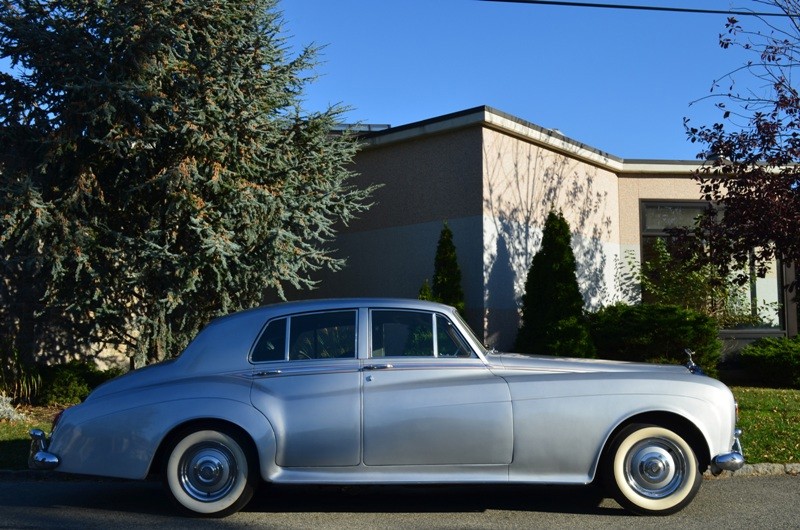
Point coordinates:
[[494, 178], [425, 180], [523, 180], [651, 180]]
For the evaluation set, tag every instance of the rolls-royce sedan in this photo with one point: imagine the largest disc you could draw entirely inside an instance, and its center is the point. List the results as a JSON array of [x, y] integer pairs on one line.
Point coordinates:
[[385, 391]]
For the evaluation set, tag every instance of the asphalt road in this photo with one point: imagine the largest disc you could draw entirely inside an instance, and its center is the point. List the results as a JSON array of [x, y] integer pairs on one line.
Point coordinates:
[[743, 502]]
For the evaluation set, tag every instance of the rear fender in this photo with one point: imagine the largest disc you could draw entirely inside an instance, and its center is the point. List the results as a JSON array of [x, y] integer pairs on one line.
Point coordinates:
[[124, 443]]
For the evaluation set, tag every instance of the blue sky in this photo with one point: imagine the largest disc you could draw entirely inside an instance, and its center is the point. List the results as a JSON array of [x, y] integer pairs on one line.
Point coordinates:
[[620, 81], [617, 80]]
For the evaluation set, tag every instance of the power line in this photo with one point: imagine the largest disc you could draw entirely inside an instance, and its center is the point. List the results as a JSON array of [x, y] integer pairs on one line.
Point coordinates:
[[645, 8]]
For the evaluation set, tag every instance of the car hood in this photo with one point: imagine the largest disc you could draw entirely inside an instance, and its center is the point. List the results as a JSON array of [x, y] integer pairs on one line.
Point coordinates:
[[544, 363]]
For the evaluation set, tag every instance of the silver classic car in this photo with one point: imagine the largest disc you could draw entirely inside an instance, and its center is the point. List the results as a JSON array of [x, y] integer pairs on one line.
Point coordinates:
[[381, 391]]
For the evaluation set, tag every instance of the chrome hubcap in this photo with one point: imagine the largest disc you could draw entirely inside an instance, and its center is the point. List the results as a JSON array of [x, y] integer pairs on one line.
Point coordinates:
[[655, 468], [207, 471]]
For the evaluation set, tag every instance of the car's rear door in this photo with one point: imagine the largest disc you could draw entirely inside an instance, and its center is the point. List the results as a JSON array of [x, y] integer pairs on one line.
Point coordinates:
[[427, 398], [307, 383]]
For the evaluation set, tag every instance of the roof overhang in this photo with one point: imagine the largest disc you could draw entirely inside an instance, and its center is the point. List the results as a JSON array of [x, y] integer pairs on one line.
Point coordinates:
[[550, 139]]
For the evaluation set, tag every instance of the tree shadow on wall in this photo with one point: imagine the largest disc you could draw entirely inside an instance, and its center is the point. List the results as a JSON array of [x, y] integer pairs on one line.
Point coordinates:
[[499, 297], [523, 183]]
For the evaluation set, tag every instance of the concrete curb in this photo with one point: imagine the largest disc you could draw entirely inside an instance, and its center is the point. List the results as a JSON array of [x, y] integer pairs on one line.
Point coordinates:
[[757, 470]]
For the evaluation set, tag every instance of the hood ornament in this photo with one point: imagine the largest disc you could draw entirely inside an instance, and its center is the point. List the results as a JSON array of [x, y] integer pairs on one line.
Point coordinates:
[[690, 364]]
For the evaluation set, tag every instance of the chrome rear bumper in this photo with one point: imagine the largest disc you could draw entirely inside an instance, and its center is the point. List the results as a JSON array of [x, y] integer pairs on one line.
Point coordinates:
[[729, 461], [39, 457]]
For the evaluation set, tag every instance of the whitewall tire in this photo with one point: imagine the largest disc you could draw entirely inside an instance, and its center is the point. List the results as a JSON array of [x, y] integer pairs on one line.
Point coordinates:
[[651, 470], [208, 473]]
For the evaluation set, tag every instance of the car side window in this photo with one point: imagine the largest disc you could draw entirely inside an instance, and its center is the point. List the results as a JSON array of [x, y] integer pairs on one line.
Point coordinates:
[[449, 341], [329, 335], [271, 346], [397, 333], [402, 334]]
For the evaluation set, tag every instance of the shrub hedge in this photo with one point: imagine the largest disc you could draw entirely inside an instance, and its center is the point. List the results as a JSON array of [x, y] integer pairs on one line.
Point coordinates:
[[70, 383], [655, 333], [773, 362]]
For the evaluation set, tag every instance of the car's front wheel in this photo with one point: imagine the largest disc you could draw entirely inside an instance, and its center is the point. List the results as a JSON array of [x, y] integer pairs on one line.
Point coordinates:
[[210, 472], [651, 470]]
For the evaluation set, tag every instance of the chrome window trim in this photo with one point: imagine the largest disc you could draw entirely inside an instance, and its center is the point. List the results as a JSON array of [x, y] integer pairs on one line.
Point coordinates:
[[261, 334], [288, 318], [435, 336], [462, 342], [286, 337], [434, 326], [426, 363]]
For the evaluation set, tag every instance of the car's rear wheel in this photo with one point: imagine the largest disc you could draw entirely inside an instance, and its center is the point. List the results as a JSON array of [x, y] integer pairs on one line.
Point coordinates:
[[651, 470], [210, 472]]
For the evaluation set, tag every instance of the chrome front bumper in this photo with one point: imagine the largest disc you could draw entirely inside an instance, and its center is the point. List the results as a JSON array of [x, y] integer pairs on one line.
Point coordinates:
[[39, 457], [729, 461]]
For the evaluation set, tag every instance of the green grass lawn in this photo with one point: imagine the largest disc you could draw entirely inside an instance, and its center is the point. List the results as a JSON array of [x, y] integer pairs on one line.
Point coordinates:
[[769, 418], [14, 440]]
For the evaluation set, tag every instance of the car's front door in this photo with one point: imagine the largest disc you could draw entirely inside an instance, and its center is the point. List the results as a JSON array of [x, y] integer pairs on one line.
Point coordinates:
[[427, 398]]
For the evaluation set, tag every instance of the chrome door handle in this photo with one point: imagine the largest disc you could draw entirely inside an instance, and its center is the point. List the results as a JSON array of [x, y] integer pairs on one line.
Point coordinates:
[[377, 366], [267, 372]]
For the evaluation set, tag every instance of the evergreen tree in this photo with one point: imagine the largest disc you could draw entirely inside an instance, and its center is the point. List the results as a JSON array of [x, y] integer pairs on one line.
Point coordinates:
[[425, 291], [553, 320], [446, 286], [156, 169]]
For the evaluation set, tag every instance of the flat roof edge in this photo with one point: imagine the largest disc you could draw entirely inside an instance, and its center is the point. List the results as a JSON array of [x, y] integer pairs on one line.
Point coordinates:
[[660, 166], [549, 138]]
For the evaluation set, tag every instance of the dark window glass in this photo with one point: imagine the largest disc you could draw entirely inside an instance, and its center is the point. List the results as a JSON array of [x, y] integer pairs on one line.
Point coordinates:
[[402, 334], [449, 341], [271, 346], [329, 335], [660, 217]]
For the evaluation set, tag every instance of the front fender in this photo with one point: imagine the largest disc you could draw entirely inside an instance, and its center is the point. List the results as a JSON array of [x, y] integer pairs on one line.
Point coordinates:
[[563, 422]]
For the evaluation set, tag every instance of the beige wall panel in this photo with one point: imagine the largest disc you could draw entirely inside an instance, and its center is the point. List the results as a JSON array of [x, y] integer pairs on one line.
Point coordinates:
[[635, 188], [523, 182], [424, 180], [395, 261], [390, 249]]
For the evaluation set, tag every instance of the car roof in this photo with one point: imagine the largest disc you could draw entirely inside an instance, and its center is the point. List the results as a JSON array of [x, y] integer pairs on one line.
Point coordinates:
[[323, 304], [234, 334]]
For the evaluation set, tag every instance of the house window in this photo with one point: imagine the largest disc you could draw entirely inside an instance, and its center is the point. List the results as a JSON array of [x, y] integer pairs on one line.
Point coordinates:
[[755, 305]]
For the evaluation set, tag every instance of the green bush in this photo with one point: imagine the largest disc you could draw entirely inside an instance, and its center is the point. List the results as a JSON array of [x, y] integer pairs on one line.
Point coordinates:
[[70, 383], [773, 362], [655, 333]]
